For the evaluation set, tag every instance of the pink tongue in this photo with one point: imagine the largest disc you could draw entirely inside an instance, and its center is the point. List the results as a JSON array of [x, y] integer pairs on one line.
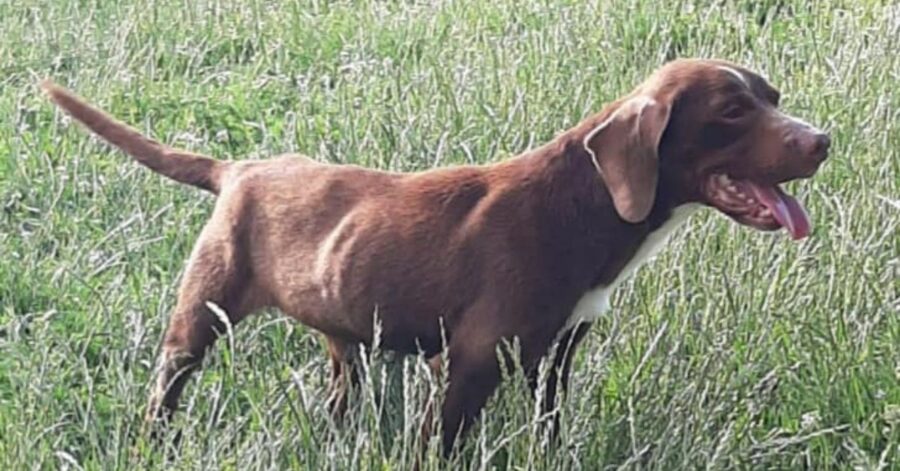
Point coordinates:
[[785, 208]]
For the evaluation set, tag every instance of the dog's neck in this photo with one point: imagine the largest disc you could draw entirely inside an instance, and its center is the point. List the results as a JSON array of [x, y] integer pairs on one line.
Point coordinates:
[[568, 163], [578, 221]]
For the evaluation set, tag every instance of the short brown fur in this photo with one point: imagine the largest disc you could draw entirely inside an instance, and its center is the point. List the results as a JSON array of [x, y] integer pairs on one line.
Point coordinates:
[[487, 252]]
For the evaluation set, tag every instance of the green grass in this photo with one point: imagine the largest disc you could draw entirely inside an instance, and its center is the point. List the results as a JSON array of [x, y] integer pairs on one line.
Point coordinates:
[[734, 349]]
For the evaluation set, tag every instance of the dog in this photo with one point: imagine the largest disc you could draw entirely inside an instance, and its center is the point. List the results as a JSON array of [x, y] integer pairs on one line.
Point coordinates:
[[458, 260]]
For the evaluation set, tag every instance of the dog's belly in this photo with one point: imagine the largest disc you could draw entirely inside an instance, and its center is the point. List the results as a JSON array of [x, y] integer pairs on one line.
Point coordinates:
[[595, 302]]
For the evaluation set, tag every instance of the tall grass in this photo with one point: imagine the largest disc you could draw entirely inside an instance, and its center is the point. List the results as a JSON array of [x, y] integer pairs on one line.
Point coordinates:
[[734, 349]]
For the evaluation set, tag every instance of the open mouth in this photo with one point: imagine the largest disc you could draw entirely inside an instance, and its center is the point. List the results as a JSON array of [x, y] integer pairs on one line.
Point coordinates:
[[765, 207]]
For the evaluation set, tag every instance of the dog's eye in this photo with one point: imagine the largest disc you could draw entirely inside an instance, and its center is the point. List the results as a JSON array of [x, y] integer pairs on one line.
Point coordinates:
[[734, 111]]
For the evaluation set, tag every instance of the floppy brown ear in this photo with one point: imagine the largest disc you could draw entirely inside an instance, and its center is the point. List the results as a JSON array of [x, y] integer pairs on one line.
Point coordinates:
[[625, 149]]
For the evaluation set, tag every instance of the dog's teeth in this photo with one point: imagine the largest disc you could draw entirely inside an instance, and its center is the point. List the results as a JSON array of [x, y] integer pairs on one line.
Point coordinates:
[[732, 189], [723, 179], [742, 195]]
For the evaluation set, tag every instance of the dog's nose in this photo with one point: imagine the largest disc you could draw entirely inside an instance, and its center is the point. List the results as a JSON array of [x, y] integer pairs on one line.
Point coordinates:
[[820, 144], [811, 144]]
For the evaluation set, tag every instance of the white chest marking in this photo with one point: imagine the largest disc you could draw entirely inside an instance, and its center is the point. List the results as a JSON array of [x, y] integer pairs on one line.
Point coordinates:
[[596, 301]]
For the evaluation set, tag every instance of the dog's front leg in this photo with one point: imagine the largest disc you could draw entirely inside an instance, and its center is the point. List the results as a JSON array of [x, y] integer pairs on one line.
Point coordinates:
[[344, 375], [473, 375], [558, 375]]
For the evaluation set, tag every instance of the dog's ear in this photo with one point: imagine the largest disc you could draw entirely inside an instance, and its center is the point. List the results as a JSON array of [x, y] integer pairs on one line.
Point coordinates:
[[625, 149]]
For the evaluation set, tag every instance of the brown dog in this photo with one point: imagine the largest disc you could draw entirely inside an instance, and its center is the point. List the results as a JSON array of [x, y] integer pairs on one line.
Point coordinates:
[[529, 248]]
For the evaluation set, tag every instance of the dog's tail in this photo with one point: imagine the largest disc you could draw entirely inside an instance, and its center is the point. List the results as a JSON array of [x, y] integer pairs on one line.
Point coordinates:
[[179, 165]]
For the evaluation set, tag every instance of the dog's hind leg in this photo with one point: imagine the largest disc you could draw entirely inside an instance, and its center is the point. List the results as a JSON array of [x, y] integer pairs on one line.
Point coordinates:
[[215, 294]]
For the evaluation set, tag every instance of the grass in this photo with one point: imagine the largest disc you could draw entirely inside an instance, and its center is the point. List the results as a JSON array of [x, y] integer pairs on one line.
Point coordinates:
[[734, 349]]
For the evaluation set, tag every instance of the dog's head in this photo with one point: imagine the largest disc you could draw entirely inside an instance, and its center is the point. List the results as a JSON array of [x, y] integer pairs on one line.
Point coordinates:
[[711, 131]]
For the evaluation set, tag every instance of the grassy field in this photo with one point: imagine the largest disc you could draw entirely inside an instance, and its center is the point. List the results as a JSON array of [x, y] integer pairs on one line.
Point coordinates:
[[734, 349]]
